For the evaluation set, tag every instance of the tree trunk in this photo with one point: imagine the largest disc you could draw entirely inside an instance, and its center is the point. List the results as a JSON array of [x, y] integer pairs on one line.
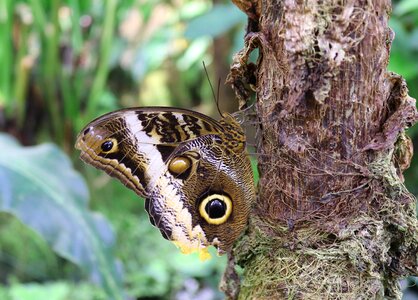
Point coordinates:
[[333, 219]]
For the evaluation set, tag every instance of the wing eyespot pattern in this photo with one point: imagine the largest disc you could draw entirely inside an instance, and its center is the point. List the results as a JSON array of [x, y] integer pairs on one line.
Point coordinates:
[[179, 165], [215, 209], [109, 146]]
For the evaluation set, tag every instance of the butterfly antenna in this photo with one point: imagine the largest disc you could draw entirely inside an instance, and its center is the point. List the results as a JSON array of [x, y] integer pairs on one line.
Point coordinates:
[[215, 97]]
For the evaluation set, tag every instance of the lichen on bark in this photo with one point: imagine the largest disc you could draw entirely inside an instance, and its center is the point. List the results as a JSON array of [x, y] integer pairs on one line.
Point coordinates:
[[333, 219]]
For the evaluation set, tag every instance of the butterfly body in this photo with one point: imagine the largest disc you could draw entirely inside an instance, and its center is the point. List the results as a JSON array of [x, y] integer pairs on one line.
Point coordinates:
[[193, 171]]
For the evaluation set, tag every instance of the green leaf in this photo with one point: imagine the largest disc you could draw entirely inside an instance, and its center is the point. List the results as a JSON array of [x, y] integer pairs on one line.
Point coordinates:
[[194, 53], [39, 186], [220, 19], [406, 6], [402, 56], [401, 36], [403, 64], [53, 290]]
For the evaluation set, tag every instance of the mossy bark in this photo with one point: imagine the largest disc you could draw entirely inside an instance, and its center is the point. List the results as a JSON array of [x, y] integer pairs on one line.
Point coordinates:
[[333, 219]]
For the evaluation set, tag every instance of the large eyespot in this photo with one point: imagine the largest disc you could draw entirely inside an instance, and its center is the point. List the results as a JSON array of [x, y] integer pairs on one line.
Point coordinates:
[[179, 165], [216, 209], [109, 146]]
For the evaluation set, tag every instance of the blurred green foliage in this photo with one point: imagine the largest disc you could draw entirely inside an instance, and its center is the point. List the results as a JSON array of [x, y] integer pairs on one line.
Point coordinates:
[[404, 61], [67, 61], [59, 290], [55, 206]]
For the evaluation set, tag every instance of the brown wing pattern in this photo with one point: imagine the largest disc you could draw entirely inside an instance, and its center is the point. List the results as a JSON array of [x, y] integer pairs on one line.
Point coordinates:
[[193, 170]]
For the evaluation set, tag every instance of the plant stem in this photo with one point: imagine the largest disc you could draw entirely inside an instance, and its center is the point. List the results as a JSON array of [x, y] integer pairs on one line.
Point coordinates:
[[23, 65], [105, 50], [6, 54]]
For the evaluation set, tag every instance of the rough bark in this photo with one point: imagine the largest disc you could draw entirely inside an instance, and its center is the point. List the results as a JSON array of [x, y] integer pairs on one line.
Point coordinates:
[[333, 219]]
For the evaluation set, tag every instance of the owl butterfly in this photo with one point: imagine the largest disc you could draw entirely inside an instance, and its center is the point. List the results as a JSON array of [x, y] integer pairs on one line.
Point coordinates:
[[193, 171]]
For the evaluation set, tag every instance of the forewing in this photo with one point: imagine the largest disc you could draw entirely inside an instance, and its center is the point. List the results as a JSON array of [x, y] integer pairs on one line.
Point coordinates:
[[143, 140]]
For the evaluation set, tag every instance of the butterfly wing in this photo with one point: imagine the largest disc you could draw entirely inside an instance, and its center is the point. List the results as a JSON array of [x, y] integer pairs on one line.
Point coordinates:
[[177, 159], [133, 144], [181, 205]]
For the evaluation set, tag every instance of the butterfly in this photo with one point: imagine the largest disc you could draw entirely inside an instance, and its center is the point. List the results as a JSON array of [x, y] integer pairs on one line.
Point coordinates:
[[193, 171]]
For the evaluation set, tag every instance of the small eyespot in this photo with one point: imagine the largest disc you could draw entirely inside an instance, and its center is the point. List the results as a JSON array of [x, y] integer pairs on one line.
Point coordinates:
[[179, 165], [109, 146], [216, 209]]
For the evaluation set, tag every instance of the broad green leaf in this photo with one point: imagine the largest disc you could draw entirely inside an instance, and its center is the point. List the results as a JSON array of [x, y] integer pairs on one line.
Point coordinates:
[[220, 19], [39, 186]]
